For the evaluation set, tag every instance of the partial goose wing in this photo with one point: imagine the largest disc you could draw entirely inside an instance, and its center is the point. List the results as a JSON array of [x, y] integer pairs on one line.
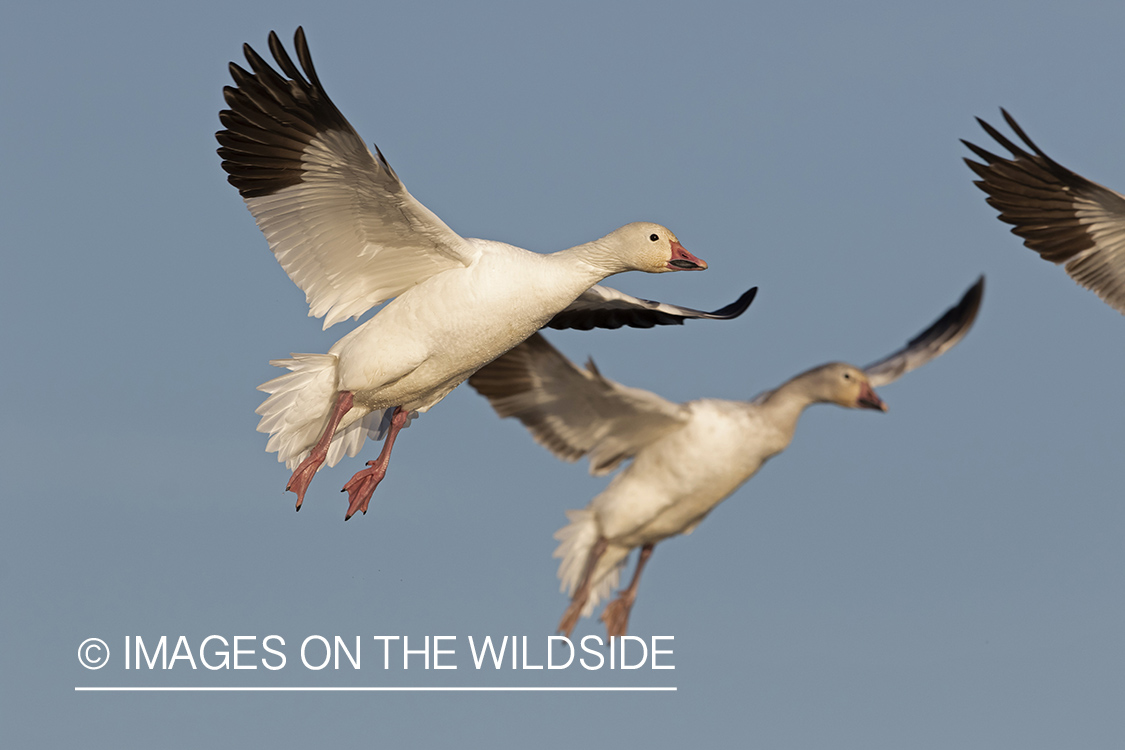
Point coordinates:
[[574, 412], [1060, 215], [603, 307], [931, 343], [340, 222]]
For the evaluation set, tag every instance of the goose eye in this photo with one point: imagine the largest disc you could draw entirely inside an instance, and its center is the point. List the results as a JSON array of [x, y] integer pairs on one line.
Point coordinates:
[[847, 376], [654, 237]]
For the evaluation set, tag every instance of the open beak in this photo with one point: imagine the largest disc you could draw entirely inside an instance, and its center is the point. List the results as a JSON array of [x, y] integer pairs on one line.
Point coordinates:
[[868, 399], [682, 260]]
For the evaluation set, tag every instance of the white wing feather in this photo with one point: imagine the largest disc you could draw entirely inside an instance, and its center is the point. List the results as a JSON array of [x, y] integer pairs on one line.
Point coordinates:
[[574, 412], [336, 216]]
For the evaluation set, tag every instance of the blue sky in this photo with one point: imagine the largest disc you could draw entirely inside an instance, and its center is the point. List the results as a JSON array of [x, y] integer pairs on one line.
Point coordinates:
[[949, 574]]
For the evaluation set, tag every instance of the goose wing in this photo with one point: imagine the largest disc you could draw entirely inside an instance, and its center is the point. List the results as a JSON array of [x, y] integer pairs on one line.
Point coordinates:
[[1059, 214], [336, 216], [931, 343], [604, 307], [574, 412]]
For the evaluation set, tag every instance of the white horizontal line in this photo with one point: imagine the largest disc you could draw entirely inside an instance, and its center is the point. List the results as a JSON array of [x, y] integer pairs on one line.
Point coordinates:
[[154, 689]]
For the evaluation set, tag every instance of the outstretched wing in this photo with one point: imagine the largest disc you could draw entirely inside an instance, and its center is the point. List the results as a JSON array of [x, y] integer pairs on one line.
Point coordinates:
[[1060, 215], [931, 343], [574, 412], [603, 307], [340, 222]]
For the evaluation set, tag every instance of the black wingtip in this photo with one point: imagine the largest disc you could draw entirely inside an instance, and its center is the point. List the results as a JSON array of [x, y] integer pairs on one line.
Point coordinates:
[[739, 306], [957, 320], [972, 299], [1015, 126], [1006, 142], [1016, 151]]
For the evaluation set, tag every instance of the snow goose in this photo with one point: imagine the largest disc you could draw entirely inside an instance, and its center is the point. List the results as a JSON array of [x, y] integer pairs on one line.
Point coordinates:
[[687, 458], [1060, 215], [345, 229]]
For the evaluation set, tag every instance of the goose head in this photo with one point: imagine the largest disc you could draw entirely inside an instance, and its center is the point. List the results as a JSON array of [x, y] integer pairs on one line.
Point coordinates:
[[652, 248], [843, 384]]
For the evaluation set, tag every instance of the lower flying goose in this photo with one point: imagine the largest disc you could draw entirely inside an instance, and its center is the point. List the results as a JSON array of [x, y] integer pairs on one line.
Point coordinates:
[[687, 458]]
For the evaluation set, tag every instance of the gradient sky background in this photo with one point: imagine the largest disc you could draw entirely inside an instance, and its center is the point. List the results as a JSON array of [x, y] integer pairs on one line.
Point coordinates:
[[948, 575]]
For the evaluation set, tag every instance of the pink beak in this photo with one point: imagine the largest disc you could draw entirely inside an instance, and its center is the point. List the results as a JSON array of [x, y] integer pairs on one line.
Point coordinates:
[[682, 260], [868, 399]]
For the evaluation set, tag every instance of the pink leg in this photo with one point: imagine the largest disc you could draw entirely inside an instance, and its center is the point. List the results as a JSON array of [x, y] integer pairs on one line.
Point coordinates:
[[304, 474], [363, 484], [616, 614], [582, 593]]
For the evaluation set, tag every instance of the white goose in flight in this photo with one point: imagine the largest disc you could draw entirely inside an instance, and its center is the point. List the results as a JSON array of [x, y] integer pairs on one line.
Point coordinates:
[[345, 229], [687, 458]]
